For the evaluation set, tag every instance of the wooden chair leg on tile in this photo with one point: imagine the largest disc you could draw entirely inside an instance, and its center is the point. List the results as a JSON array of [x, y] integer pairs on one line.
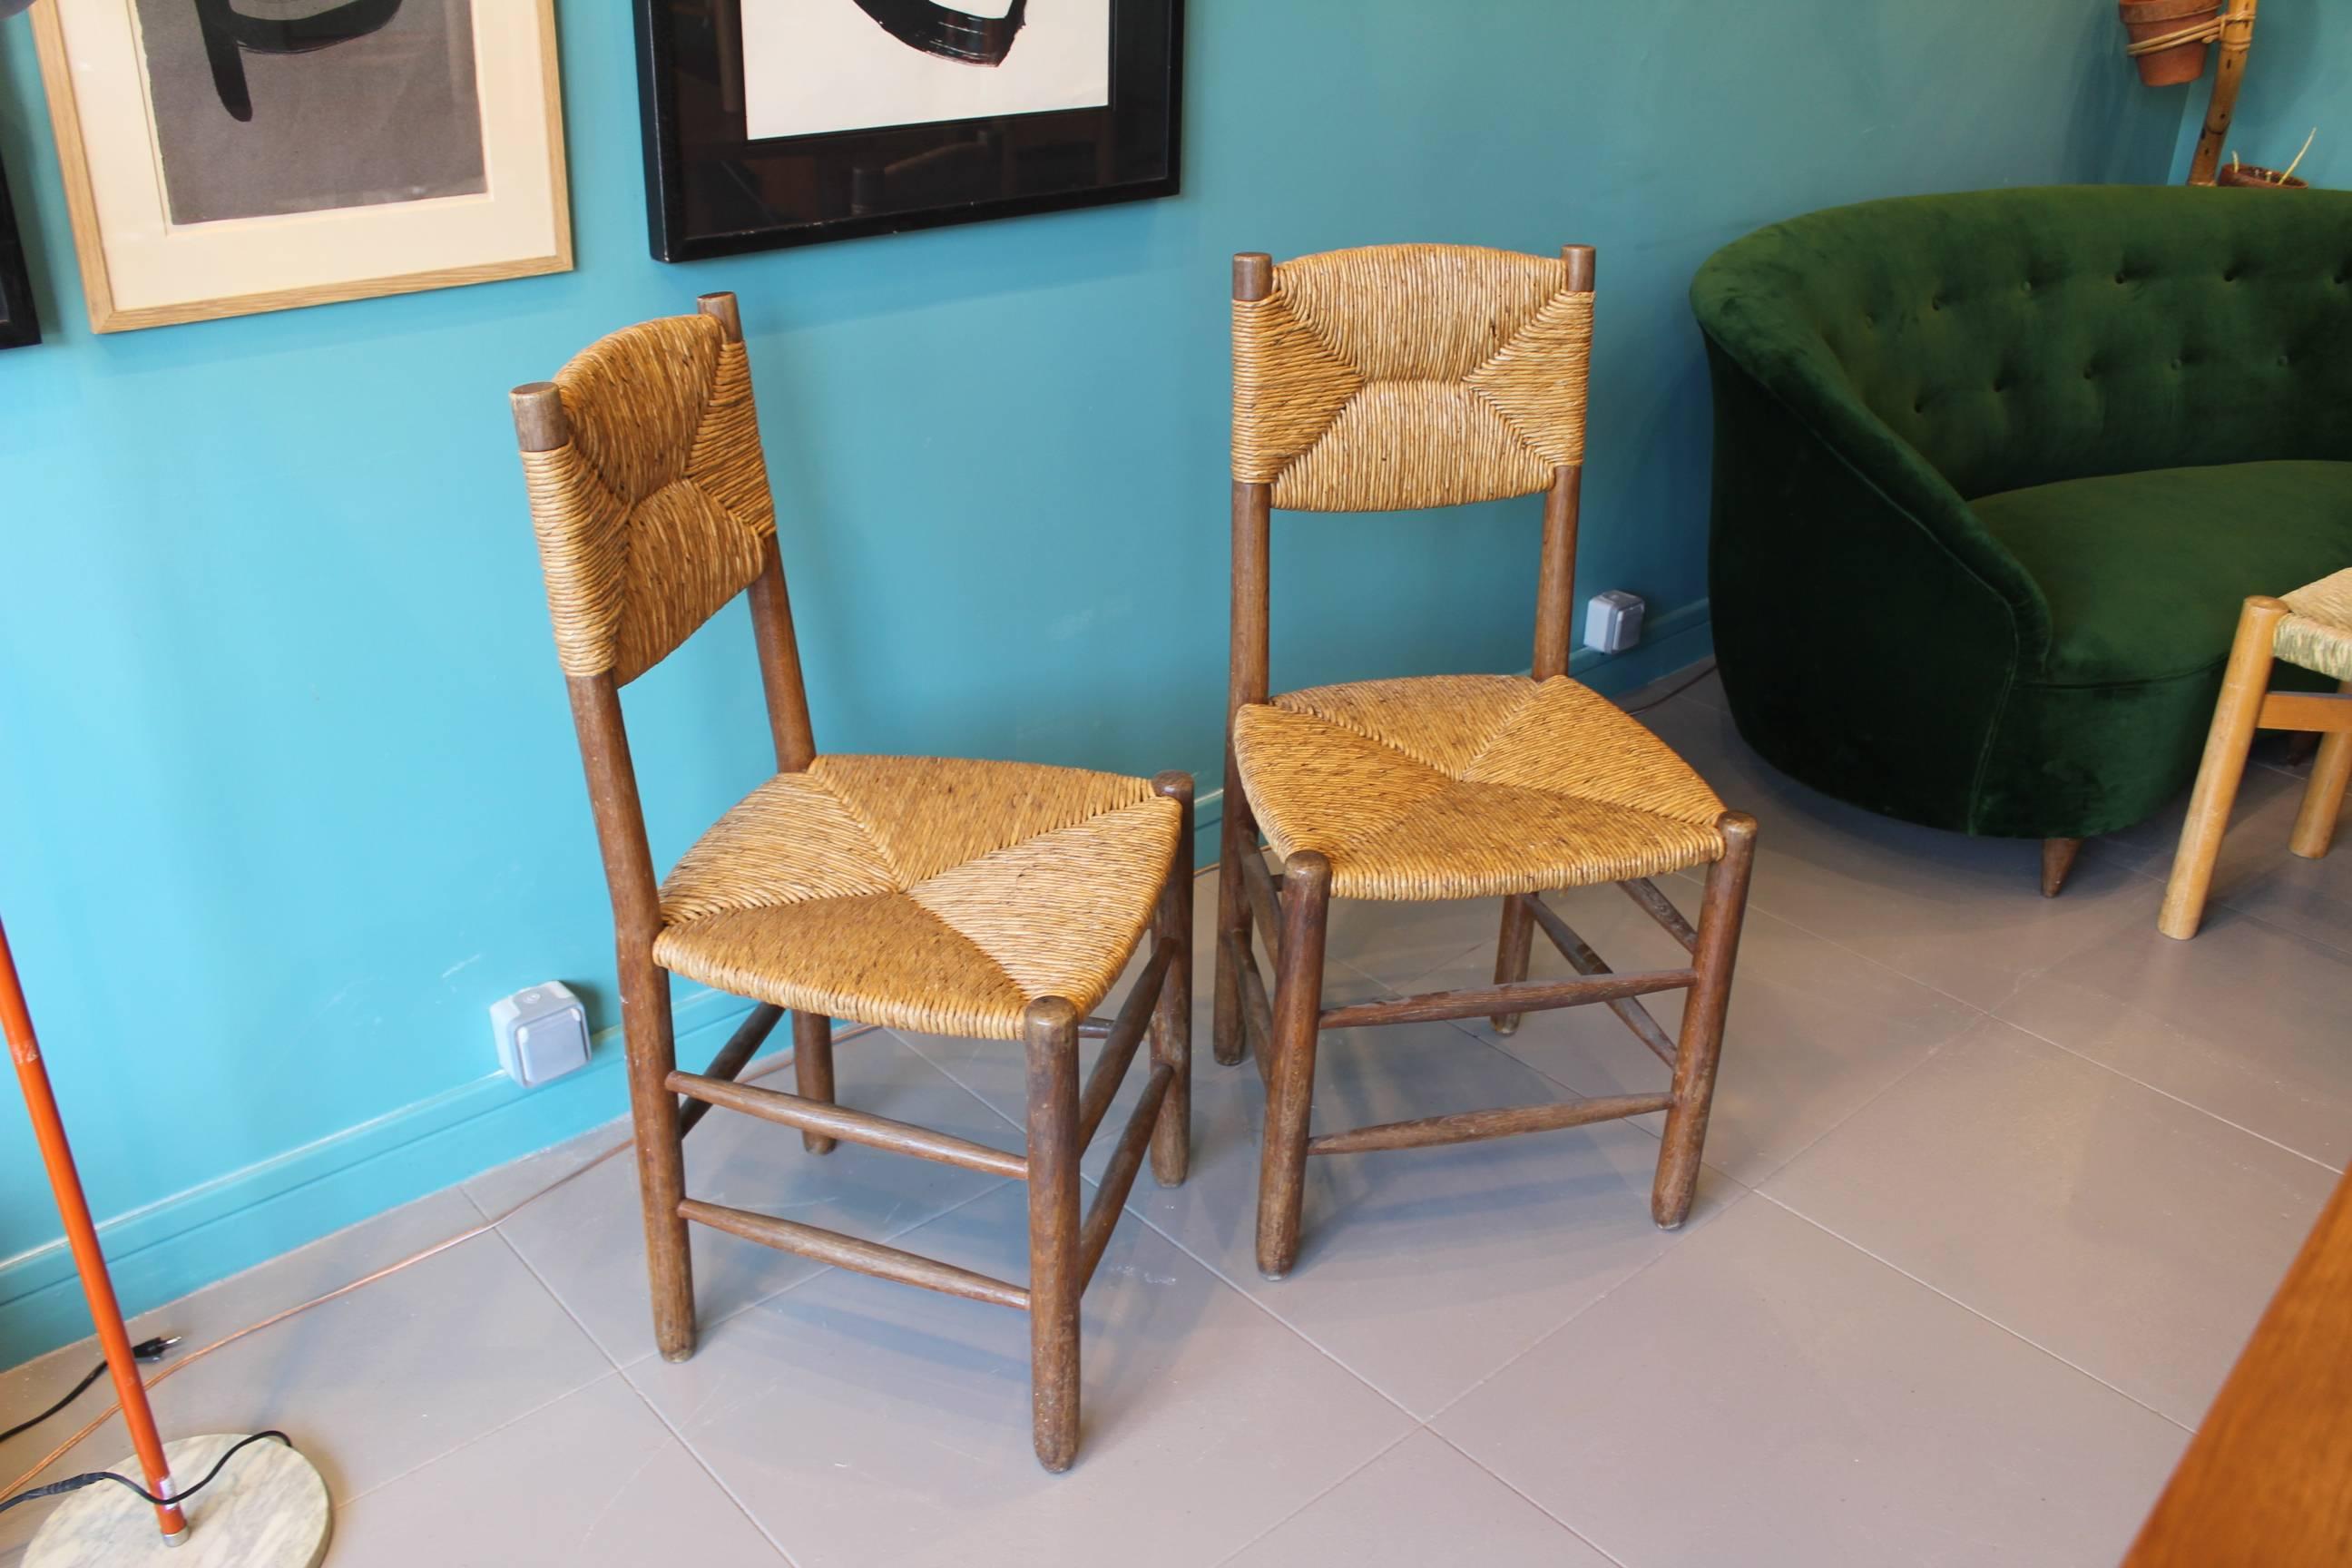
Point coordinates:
[[1290, 1091], [812, 1069], [1172, 1016], [1721, 913], [2057, 861], [652, 1052], [2244, 684], [1057, 1277], [1238, 837], [2323, 798], [1511, 955]]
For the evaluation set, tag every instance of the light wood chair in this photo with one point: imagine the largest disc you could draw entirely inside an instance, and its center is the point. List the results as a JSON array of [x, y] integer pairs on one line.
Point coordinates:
[[2311, 628], [1404, 377], [995, 900]]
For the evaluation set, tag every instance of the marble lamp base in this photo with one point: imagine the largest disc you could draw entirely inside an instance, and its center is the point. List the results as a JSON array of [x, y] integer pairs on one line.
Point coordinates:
[[268, 1510]]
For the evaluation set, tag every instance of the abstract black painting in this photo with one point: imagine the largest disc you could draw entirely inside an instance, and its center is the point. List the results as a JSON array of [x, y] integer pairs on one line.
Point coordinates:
[[266, 108], [18, 325], [776, 123]]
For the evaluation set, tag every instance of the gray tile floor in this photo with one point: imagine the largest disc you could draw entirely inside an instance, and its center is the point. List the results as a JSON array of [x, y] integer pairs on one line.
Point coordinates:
[[1996, 1188]]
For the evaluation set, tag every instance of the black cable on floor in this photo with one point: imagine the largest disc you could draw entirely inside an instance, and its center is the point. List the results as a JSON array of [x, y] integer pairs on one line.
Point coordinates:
[[153, 1349], [1677, 691], [77, 1483]]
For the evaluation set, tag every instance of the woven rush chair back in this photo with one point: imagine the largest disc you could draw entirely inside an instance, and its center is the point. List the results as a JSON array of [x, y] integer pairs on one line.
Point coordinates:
[[649, 495], [1410, 375]]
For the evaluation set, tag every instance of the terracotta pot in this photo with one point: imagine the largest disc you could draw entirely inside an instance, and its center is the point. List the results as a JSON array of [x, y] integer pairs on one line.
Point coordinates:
[[2260, 178], [2155, 19]]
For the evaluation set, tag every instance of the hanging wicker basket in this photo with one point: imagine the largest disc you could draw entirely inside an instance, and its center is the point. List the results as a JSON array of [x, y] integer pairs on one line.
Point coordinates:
[[2169, 38], [2260, 178]]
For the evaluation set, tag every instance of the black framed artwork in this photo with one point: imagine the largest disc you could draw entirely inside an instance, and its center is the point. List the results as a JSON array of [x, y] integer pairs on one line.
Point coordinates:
[[18, 325], [779, 123]]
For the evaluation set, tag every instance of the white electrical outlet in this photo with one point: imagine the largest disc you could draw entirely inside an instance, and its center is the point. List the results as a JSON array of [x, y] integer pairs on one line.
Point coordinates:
[[542, 1034], [1612, 621]]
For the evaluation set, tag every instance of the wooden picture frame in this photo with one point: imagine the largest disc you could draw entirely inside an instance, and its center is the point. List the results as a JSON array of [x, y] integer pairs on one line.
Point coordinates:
[[716, 186], [158, 247], [20, 326]]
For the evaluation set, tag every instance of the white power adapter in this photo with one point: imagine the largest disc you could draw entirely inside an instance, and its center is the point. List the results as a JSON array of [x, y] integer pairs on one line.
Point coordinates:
[[542, 1034], [1612, 621]]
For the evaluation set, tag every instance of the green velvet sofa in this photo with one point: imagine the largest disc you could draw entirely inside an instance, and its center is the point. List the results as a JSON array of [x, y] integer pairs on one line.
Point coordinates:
[[1993, 473]]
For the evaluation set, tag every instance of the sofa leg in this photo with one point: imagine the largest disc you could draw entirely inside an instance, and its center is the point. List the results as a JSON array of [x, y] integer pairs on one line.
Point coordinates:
[[2057, 859]]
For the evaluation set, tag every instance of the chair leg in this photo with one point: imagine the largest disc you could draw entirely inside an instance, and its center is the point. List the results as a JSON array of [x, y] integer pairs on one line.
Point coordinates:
[[1701, 1046], [1050, 1032], [652, 1051], [812, 1069], [2323, 798], [1238, 837], [1290, 1094], [1171, 1017], [1511, 954], [2244, 685]]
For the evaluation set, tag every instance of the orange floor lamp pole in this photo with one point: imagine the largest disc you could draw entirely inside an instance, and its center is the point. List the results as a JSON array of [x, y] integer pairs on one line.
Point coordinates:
[[81, 1235]]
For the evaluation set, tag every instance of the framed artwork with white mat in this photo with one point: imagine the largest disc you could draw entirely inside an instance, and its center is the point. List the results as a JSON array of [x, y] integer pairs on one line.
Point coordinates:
[[780, 123], [225, 157]]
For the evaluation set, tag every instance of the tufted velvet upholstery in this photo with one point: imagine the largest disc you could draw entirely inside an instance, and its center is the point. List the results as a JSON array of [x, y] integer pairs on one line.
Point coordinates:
[[1948, 582]]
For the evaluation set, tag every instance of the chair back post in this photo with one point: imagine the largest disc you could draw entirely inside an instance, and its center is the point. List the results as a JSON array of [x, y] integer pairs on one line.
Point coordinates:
[[1556, 577], [772, 613], [1253, 506], [541, 426]]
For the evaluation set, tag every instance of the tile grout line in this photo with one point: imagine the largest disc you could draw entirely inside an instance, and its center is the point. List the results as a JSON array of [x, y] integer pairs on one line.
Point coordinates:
[[1319, 1497], [1742, 1196], [2165, 1093], [1220, 1275], [1974, 1312], [622, 1373], [1523, 1497], [705, 1465]]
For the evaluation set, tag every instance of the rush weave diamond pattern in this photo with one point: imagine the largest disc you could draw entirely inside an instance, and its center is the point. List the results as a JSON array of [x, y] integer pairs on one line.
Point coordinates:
[[1463, 786], [657, 511], [1410, 375], [921, 893]]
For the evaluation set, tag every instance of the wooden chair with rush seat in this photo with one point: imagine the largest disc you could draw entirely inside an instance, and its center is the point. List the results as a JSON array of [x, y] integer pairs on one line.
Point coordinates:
[[2311, 630], [1412, 376], [986, 898]]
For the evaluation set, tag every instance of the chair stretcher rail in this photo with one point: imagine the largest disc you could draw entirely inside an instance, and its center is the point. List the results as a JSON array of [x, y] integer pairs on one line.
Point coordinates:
[[850, 1126], [861, 1257], [1520, 996], [1660, 909], [1118, 1049], [1258, 1013], [1118, 1177], [732, 1058], [1472, 1126], [1580, 956], [1265, 908]]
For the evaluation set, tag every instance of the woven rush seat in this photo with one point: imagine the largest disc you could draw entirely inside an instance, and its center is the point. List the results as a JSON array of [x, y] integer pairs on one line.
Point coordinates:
[[1470, 787], [921, 893], [2317, 632]]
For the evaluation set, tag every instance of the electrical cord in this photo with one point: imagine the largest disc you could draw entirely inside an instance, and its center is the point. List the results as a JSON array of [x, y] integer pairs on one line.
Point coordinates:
[[151, 1350], [15, 1492], [98, 1477], [1666, 696]]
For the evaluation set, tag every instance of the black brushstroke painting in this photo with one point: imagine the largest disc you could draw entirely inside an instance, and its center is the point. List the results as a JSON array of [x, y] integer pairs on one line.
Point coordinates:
[[229, 33], [18, 325], [713, 189], [951, 34]]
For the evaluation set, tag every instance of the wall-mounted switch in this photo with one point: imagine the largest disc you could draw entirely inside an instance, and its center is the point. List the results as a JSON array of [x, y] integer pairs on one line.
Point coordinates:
[[1612, 621], [542, 1034]]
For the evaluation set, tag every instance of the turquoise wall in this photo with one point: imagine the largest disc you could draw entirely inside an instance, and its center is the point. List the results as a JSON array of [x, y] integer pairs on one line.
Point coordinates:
[[288, 788], [2296, 81]]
